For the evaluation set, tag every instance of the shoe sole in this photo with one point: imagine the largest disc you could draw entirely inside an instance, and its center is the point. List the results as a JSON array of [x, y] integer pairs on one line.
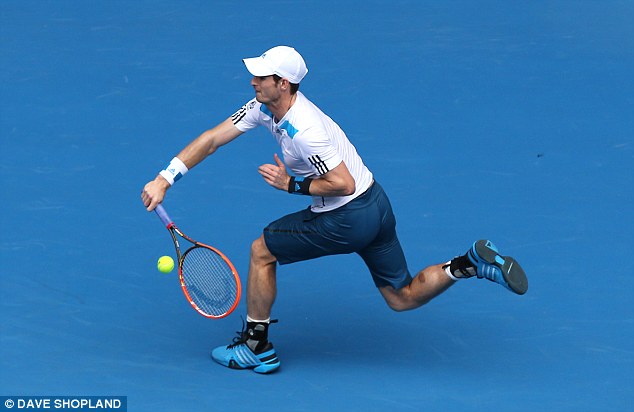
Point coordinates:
[[265, 369], [512, 272], [262, 369]]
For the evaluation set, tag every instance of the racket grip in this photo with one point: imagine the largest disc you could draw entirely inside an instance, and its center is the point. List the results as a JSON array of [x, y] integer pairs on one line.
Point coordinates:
[[162, 214]]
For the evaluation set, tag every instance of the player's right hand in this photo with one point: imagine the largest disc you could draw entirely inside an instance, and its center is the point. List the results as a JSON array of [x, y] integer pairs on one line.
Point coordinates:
[[154, 192]]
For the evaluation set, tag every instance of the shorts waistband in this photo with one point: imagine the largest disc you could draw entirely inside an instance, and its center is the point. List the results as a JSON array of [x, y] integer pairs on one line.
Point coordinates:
[[367, 190]]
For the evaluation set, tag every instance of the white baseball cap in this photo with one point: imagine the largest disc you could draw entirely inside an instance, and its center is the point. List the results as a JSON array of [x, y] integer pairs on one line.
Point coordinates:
[[284, 61]]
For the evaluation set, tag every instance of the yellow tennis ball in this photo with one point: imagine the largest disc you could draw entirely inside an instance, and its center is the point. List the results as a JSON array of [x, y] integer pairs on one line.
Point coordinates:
[[165, 264]]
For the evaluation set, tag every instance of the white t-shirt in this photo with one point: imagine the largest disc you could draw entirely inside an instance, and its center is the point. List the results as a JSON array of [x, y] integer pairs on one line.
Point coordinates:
[[312, 144]]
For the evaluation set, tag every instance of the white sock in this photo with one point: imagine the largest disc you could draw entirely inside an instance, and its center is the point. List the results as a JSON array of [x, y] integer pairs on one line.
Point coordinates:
[[250, 319], [447, 268]]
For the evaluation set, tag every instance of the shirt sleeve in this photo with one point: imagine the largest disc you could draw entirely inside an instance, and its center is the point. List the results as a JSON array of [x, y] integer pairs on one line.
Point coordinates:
[[248, 116], [318, 151]]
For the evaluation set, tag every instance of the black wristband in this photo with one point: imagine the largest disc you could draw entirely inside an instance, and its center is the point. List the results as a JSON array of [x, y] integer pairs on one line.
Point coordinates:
[[299, 185]]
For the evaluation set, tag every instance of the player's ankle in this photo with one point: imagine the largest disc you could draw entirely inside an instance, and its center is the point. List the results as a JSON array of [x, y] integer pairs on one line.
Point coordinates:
[[460, 267], [258, 332]]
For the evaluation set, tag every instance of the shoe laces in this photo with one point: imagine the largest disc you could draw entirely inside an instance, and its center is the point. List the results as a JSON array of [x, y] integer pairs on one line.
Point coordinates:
[[467, 272]]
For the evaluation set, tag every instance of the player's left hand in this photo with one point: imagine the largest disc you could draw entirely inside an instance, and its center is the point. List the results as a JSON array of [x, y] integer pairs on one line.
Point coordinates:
[[275, 175]]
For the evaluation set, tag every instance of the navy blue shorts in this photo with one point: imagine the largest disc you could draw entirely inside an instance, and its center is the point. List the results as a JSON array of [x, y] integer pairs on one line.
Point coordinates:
[[365, 226]]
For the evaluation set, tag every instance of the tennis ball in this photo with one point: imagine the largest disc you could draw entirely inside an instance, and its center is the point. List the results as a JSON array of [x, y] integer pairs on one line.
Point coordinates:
[[165, 264]]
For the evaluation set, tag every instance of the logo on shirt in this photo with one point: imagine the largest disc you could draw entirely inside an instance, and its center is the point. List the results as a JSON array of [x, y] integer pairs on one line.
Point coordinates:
[[239, 115], [318, 164]]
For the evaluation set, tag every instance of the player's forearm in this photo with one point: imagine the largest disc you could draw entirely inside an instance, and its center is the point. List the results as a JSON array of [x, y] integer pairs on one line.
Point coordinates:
[[198, 150], [190, 156], [323, 186], [337, 182], [208, 142], [326, 188]]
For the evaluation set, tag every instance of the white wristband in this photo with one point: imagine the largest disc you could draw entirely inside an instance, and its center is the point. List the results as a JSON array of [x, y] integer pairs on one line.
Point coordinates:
[[174, 171]]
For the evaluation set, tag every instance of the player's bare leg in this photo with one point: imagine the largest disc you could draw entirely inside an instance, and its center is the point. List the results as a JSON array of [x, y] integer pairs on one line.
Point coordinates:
[[428, 283], [252, 350], [261, 286], [482, 260]]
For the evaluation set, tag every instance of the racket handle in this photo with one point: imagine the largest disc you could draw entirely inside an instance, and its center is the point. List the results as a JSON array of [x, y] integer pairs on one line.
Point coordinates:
[[162, 214]]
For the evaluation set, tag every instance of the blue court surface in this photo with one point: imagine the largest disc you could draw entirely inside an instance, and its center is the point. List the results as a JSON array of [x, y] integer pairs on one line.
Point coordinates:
[[507, 120]]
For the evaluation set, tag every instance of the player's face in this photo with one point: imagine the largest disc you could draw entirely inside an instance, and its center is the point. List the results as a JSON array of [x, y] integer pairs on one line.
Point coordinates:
[[266, 89]]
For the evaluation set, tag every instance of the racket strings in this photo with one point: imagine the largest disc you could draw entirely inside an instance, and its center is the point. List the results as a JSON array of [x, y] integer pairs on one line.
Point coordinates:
[[209, 281]]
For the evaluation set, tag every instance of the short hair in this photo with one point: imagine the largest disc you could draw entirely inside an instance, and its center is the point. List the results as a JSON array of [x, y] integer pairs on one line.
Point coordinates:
[[294, 86]]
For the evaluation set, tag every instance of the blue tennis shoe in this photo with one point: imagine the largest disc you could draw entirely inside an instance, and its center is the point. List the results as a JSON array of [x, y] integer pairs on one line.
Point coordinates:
[[247, 353], [497, 268]]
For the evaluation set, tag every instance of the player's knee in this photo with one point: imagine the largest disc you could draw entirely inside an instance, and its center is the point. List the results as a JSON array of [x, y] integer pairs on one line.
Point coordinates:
[[260, 252], [396, 299], [401, 300], [399, 305]]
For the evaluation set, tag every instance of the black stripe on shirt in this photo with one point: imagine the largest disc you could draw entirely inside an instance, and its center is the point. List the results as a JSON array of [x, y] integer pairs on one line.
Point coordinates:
[[239, 115], [319, 164]]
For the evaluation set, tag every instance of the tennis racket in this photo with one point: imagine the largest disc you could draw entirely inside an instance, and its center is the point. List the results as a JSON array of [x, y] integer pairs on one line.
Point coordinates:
[[209, 280]]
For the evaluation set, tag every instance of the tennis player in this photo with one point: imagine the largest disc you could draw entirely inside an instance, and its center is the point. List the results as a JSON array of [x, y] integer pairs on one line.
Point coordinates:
[[349, 211]]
